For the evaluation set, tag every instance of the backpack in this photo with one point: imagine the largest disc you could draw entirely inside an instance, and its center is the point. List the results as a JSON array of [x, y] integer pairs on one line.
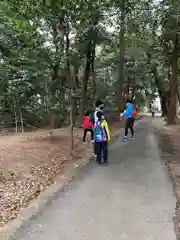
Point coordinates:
[[134, 113], [99, 132]]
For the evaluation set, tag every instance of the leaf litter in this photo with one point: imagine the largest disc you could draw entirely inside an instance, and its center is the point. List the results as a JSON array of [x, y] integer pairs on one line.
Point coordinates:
[[28, 165], [30, 162]]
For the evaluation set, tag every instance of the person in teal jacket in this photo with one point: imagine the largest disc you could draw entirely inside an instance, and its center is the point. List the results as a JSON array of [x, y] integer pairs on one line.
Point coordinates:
[[128, 114]]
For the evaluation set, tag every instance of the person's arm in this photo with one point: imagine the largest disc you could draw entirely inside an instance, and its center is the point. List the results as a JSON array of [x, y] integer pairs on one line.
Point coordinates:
[[122, 114], [95, 117], [105, 125]]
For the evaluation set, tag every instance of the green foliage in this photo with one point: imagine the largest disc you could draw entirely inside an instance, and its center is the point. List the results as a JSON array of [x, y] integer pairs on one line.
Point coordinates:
[[42, 42]]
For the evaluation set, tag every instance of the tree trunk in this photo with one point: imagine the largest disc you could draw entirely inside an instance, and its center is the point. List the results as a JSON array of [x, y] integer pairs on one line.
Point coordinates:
[[93, 71], [71, 127], [171, 117], [21, 119], [133, 85], [15, 115], [71, 87], [120, 100], [162, 94], [74, 104], [164, 105], [86, 78], [51, 89], [178, 95]]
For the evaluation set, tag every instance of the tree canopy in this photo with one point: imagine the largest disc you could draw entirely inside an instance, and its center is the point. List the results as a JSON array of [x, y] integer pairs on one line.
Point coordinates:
[[104, 49]]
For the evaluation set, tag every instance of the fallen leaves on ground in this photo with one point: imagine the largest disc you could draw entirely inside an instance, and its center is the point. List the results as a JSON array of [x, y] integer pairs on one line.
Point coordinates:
[[169, 142], [29, 163]]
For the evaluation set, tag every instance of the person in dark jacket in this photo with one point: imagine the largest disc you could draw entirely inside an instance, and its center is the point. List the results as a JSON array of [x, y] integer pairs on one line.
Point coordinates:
[[99, 107], [101, 138]]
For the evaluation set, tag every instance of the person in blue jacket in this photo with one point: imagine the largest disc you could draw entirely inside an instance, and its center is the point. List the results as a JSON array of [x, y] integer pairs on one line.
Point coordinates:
[[128, 114]]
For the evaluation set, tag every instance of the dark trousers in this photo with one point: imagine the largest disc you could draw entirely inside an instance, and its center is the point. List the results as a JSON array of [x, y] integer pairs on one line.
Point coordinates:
[[129, 125], [95, 148], [101, 152], [85, 133]]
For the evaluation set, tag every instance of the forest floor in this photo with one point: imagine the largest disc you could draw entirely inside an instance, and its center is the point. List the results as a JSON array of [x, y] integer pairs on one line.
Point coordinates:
[[169, 142], [30, 162]]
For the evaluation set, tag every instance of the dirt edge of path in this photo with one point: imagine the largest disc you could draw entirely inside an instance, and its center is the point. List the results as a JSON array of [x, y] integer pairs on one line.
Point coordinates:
[[8, 232], [169, 142]]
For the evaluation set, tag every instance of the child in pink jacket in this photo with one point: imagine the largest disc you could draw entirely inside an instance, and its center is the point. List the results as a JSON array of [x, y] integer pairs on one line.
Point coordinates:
[[87, 126]]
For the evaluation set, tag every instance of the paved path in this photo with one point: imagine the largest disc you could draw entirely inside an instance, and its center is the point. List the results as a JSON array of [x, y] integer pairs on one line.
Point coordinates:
[[131, 199]]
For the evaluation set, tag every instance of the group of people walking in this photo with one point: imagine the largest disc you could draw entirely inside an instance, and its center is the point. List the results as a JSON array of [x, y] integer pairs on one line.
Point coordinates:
[[95, 123]]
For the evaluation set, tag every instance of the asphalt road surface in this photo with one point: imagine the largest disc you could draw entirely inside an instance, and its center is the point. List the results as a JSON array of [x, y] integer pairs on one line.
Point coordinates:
[[130, 199]]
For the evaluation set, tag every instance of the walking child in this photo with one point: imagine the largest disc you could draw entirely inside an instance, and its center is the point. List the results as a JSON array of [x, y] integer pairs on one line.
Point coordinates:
[[87, 126], [130, 114], [99, 107], [101, 138]]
